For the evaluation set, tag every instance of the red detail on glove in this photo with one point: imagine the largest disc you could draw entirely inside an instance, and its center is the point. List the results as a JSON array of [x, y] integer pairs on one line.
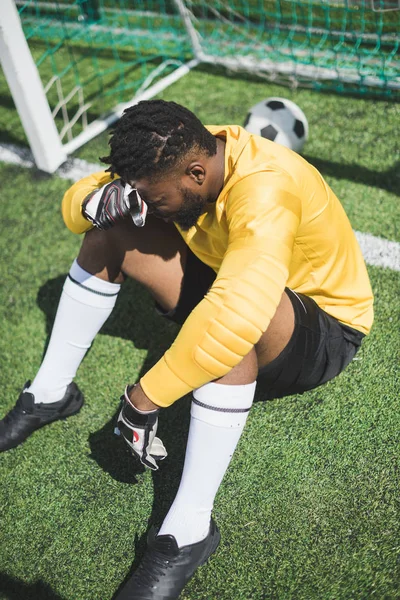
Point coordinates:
[[135, 437]]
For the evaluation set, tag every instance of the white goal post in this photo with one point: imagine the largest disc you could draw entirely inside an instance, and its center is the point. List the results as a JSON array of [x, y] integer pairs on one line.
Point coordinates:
[[27, 91], [31, 101]]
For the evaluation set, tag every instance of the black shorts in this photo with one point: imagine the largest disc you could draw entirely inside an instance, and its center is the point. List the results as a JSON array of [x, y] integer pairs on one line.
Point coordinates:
[[319, 349]]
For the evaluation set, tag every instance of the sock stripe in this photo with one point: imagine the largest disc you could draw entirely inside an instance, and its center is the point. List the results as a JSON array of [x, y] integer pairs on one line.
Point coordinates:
[[224, 410], [90, 289]]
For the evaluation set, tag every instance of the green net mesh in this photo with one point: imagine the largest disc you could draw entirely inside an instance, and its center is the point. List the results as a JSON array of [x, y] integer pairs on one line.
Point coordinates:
[[345, 45], [94, 54]]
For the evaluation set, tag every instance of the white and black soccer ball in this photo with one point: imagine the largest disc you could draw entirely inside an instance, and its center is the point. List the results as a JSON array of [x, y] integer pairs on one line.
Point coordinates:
[[279, 120]]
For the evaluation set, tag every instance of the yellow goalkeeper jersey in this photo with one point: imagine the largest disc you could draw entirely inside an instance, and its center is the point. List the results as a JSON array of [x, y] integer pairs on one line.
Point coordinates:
[[276, 223]]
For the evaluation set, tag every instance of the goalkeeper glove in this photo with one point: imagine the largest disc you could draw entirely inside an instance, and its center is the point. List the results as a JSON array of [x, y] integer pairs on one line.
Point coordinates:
[[113, 202], [139, 429]]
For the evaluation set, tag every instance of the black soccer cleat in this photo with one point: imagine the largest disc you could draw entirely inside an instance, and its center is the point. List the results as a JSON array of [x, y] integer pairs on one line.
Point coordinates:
[[165, 568], [26, 416]]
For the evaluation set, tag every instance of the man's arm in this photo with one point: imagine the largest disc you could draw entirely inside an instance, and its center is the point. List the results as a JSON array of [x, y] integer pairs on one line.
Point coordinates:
[[101, 201], [263, 220], [74, 197]]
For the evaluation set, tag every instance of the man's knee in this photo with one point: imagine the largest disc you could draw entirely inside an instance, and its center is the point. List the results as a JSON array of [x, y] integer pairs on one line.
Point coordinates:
[[280, 330], [101, 256], [153, 255], [245, 372]]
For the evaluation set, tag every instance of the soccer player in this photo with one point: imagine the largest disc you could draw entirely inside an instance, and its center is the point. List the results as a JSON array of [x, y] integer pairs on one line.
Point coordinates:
[[243, 243]]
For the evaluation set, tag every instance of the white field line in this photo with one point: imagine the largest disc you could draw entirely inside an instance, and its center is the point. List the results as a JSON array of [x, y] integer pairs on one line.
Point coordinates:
[[376, 250]]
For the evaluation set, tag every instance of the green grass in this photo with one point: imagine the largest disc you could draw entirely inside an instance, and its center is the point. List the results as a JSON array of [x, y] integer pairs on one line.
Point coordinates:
[[309, 508]]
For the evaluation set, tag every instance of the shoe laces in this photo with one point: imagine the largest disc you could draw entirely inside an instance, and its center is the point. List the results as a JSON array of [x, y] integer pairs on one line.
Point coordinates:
[[152, 567], [15, 412]]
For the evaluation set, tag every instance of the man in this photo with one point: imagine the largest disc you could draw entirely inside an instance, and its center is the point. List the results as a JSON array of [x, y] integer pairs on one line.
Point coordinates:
[[246, 246]]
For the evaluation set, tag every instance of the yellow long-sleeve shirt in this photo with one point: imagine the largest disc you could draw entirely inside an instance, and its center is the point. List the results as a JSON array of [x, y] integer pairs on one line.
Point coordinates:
[[276, 223]]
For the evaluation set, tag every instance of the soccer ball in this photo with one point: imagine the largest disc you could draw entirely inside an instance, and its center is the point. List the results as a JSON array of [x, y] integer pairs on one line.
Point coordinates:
[[279, 120]]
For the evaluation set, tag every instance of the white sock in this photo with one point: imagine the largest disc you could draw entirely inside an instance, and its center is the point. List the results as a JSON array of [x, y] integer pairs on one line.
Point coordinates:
[[218, 416], [85, 304]]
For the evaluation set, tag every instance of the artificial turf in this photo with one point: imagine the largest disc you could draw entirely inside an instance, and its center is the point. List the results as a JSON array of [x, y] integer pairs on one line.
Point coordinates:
[[309, 508]]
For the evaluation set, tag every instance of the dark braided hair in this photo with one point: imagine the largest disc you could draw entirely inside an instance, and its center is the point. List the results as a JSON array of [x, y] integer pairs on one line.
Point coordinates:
[[153, 137]]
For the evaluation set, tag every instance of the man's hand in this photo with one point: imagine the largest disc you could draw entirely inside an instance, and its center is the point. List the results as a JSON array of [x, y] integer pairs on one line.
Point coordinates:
[[139, 431], [112, 203]]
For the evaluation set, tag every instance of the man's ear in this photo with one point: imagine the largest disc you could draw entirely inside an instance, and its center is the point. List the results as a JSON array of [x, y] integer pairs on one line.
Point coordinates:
[[197, 172]]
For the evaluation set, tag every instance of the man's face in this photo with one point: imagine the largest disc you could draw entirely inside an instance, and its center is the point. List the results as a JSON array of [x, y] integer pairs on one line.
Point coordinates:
[[171, 200], [193, 205]]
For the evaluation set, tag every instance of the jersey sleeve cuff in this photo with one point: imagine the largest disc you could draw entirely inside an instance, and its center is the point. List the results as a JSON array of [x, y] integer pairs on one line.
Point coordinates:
[[162, 386]]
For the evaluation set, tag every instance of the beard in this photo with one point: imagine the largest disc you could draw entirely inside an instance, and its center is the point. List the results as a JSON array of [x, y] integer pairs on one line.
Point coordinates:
[[193, 206]]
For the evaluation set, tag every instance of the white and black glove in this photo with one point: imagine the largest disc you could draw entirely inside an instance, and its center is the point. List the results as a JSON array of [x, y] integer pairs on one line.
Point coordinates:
[[112, 203], [139, 431]]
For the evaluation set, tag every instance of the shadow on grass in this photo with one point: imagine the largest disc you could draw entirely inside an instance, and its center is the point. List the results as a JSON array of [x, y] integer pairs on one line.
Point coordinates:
[[173, 430], [12, 588], [385, 180], [134, 318]]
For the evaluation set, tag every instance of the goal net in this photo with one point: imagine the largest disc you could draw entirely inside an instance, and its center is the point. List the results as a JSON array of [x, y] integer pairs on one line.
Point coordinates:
[[344, 45], [86, 60]]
